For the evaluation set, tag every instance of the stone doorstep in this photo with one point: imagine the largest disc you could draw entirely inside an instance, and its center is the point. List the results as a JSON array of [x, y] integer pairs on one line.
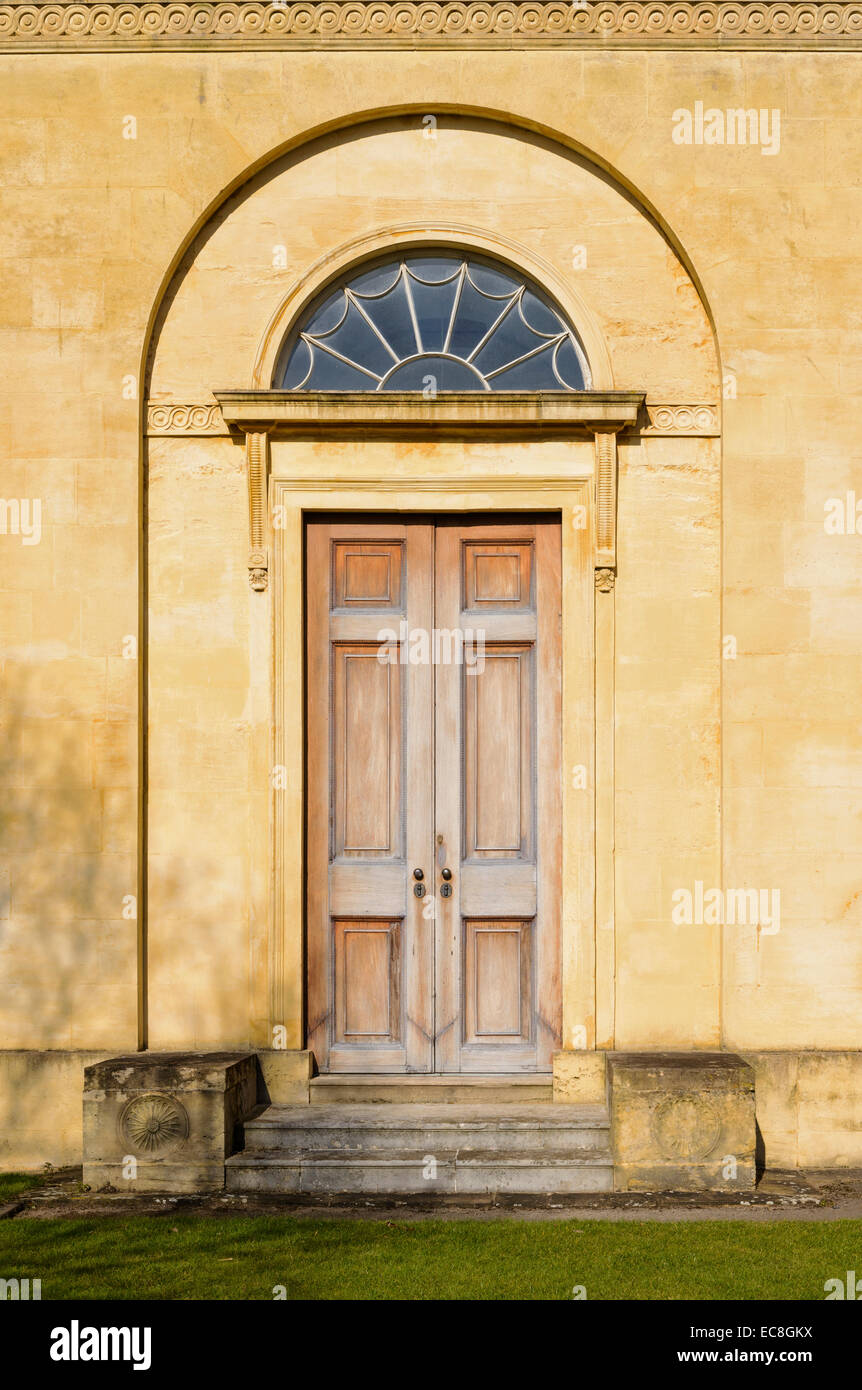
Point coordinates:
[[346, 1088], [425, 1149], [675, 1115], [353, 1129], [393, 1172]]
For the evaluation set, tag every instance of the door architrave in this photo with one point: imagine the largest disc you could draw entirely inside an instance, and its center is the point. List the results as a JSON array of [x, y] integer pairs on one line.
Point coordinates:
[[588, 557]]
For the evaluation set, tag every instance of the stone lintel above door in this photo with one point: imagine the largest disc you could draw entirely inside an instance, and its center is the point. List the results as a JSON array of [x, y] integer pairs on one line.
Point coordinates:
[[258, 414], [499, 411]]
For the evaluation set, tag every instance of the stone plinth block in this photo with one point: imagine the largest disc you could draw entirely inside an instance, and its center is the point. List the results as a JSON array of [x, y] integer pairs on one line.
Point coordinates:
[[580, 1078], [682, 1121], [165, 1121], [286, 1076]]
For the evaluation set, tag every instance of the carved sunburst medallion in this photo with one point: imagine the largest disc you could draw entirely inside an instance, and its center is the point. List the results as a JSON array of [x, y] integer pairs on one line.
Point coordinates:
[[154, 1123], [686, 1127]]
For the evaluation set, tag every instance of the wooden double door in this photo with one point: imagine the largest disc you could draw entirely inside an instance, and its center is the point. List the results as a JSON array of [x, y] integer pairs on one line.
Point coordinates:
[[433, 794]]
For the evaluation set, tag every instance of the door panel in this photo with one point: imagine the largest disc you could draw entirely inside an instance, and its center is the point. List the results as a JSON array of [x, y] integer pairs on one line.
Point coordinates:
[[499, 735], [367, 734], [498, 801], [370, 733], [436, 754]]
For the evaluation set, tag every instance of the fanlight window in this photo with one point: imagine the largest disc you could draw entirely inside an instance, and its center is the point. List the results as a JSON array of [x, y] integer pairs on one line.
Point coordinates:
[[434, 322]]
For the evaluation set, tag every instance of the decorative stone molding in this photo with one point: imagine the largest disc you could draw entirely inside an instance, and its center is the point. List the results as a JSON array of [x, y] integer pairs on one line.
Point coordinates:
[[171, 420], [178, 420], [606, 508], [257, 459], [700, 420], [605, 580], [410, 23], [255, 414]]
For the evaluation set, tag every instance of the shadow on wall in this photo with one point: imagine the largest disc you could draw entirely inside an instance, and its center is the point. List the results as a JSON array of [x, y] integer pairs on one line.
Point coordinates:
[[68, 912], [68, 909]]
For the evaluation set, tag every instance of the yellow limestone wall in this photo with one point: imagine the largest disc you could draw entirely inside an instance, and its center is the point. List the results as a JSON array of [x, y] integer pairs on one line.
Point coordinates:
[[92, 222]]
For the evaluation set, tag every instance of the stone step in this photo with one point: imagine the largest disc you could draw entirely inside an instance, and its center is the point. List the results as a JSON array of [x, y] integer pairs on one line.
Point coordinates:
[[429, 1129], [346, 1089], [390, 1172], [425, 1149]]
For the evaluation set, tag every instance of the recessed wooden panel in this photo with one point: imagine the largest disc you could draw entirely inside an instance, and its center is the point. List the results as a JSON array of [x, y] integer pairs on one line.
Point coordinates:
[[499, 735], [498, 575], [367, 574], [366, 761], [497, 981], [367, 981]]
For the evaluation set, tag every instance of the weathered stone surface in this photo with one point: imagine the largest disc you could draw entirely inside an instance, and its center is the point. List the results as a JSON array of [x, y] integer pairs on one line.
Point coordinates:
[[165, 1122], [285, 1076], [580, 1077], [682, 1121], [397, 1148]]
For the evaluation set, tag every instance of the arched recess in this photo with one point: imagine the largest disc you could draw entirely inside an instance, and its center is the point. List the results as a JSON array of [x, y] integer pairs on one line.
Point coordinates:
[[303, 142], [219, 324], [521, 251]]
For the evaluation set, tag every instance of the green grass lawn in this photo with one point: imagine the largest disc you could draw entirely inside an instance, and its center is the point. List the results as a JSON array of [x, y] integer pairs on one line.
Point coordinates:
[[246, 1257], [13, 1184]]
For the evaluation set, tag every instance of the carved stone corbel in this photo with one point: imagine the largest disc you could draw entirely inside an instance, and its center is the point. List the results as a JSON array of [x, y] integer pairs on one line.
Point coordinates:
[[606, 507], [256, 454]]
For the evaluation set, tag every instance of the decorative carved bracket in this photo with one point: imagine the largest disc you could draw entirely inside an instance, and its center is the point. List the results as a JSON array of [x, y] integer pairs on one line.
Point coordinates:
[[606, 507], [257, 460]]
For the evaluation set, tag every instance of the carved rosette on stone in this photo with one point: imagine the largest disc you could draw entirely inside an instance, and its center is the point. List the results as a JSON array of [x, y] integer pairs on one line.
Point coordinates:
[[686, 1127], [154, 1124]]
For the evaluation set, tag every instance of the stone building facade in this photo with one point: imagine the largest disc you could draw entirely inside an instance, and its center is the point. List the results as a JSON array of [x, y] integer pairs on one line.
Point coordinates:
[[183, 186]]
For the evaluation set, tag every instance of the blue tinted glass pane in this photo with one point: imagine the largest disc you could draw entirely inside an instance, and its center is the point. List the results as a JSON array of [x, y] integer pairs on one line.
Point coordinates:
[[328, 314], [376, 281], [356, 339], [391, 315], [441, 373], [436, 268], [539, 316], [433, 305], [297, 367], [568, 366], [329, 374], [509, 341], [536, 374], [474, 316], [498, 282]]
